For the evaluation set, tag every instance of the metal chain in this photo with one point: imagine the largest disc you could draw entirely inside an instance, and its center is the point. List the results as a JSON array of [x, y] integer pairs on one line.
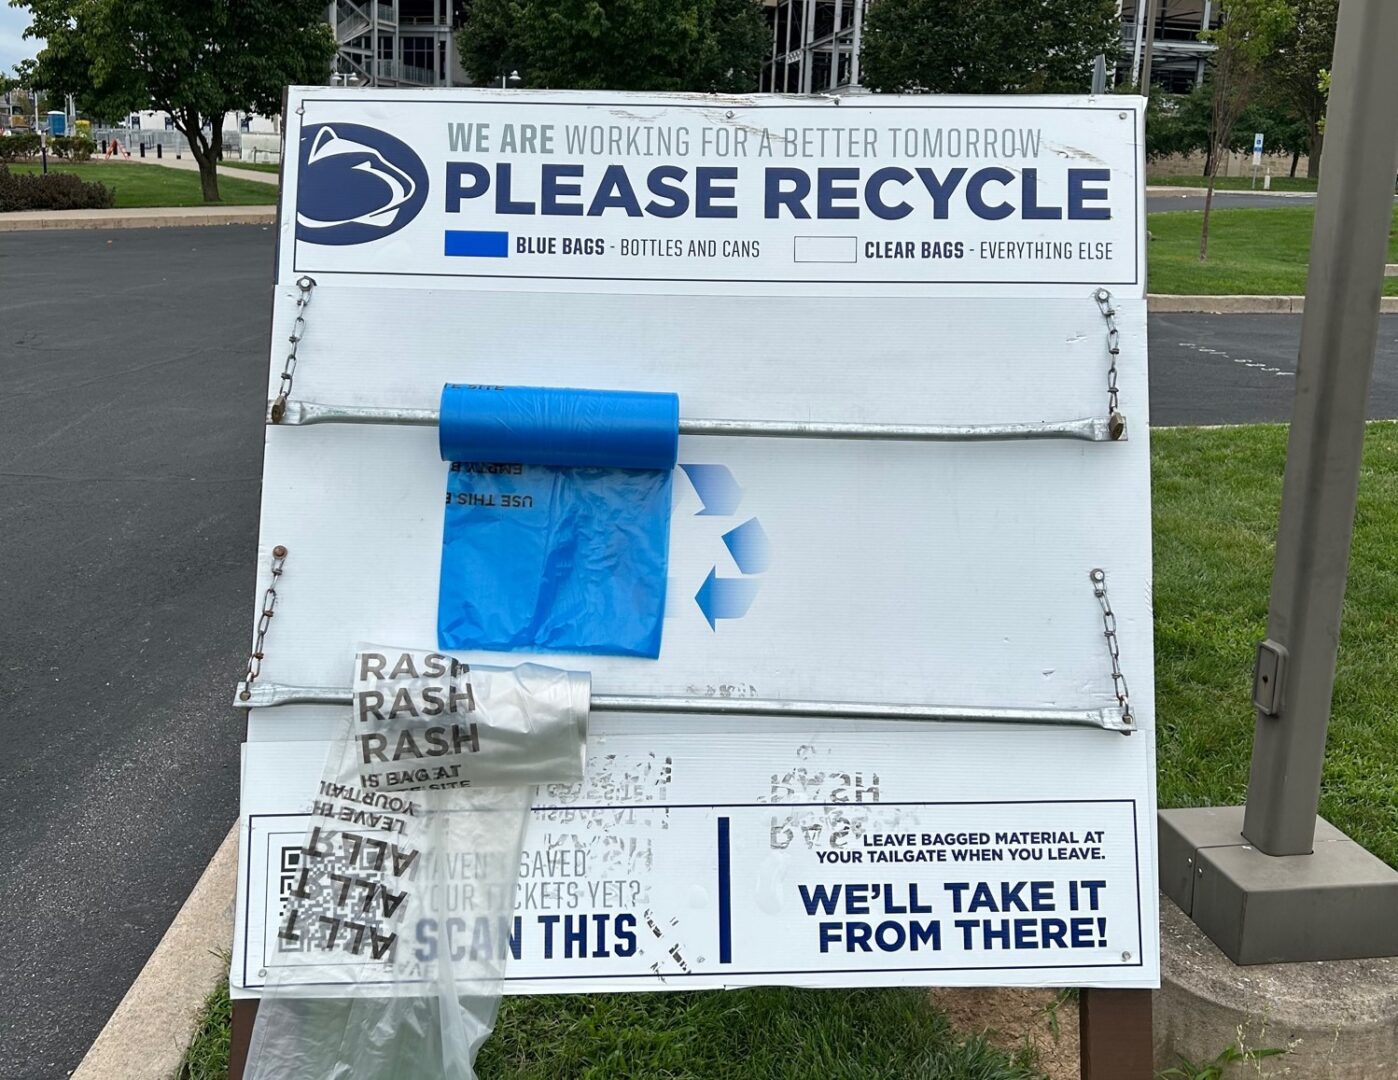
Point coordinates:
[[298, 331], [1119, 687], [1116, 423], [264, 620]]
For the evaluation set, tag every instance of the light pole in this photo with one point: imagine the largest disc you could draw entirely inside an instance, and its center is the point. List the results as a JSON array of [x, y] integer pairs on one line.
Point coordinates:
[[512, 79], [1271, 882]]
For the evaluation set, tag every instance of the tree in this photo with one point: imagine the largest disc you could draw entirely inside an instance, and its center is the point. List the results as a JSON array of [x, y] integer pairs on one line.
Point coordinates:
[[701, 45], [1180, 124], [195, 59], [1293, 74], [1246, 37], [1177, 123], [1281, 128], [987, 46]]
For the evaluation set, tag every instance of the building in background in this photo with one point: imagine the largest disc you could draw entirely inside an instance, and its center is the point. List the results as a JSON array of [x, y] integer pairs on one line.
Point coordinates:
[[1178, 57], [396, 42], [815, 44]]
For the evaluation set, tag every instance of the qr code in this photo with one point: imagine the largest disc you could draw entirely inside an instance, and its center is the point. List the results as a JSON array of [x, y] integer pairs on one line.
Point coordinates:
[[329, 886]]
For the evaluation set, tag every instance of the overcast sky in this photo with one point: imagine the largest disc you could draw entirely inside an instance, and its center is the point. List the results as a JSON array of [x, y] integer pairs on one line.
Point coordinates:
[[13, 48]]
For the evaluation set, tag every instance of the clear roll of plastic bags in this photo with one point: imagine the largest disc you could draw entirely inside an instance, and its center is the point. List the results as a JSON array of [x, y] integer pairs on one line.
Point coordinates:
[[392, 949]]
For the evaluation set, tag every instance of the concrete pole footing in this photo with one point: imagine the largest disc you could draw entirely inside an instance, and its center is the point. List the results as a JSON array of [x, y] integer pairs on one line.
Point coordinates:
[[1338, 1018]]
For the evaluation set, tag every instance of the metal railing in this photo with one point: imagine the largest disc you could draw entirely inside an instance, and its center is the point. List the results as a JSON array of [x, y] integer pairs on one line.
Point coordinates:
[[169, 141], [399, 72]]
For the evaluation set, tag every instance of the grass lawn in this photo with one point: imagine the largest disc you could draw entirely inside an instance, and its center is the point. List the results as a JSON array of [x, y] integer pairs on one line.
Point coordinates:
[[1217, 494], [770, 1033], [1260, 252], [155, 185], [259, 166], [1234, 183], [761, 1034], [207, 1055]]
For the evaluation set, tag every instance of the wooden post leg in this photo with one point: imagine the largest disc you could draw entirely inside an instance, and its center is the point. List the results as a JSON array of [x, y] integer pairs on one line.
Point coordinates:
[[1114, 1029], [244, 1015]]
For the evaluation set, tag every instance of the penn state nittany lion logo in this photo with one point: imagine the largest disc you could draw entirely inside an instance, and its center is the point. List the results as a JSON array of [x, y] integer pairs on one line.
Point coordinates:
[[355, 184]]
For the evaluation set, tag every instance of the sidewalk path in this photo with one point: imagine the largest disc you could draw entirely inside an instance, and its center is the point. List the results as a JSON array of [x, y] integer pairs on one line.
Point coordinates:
[[147, 217], [190, 165]]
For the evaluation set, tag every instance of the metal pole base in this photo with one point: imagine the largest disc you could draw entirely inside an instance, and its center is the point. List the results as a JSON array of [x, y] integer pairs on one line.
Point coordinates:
[[1337, 903]]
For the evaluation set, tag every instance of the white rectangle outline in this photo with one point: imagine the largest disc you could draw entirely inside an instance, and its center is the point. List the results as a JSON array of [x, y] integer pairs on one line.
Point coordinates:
[[675, 980], [817, 241], [1138, 212]]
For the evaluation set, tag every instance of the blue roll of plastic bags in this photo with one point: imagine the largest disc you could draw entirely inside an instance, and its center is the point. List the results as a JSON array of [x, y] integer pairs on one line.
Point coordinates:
[[544, 425], [557, 525]]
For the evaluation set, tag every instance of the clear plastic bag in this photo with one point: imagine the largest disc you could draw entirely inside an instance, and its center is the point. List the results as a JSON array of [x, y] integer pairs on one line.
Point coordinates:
[[399, 925]]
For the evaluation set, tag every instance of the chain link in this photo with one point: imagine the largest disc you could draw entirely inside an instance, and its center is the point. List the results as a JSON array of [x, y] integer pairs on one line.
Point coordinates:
[[1115, 421], [298, 331], [1119, 687], [264, 620]]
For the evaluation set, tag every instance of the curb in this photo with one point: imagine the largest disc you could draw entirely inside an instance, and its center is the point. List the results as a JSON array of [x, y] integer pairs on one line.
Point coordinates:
[[1170, 189], [146, 1037], [147, 218], [1164, 304]]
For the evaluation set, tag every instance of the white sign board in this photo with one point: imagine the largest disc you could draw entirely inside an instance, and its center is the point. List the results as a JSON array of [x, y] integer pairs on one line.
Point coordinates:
[[530, 191], [1257, 149], [868, 260]]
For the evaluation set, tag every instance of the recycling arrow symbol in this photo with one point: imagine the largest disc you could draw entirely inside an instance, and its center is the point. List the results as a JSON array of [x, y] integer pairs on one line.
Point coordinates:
[[729, 597]]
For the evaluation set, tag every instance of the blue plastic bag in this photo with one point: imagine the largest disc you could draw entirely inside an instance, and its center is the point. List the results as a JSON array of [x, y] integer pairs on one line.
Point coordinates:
[[567, 552], [549, 559]]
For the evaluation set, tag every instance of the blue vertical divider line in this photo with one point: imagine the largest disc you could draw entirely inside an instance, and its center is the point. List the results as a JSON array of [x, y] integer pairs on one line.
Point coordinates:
[[725, 898]]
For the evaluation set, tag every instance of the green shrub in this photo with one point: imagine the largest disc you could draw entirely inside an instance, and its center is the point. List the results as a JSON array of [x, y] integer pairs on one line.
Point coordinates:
[[51, 191], [19, 145], [72, 147]]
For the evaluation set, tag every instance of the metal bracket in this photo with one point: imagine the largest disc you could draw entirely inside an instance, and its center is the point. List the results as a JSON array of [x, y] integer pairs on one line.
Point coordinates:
[[269, 695], [1089, 429], [1267, 676]]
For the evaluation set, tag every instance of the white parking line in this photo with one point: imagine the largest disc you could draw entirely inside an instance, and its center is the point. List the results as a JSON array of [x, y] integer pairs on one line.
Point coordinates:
[[1256, 365]]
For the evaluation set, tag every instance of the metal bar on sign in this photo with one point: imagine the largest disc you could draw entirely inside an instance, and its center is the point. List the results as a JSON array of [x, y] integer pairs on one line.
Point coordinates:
[[1086, 429], [270, 695]]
